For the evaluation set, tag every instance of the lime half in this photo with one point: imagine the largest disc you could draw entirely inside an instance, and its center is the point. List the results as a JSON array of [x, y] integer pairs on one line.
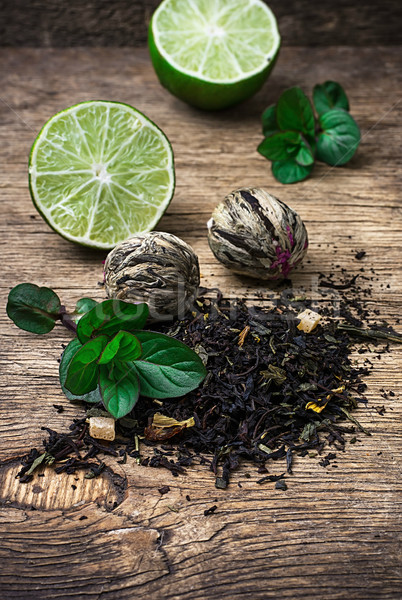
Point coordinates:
[[101, 172], [213, 53]]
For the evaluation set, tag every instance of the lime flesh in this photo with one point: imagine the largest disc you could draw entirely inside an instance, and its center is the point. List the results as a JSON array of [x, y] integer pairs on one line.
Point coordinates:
[[101, 172], [213, 53]]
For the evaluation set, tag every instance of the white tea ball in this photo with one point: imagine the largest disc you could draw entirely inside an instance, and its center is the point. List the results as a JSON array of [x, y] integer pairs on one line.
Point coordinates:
[[255, 234], [157, 268]]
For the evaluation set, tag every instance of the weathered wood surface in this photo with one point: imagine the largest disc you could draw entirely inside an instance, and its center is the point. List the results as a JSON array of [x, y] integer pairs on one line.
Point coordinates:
[[335, 533], [124, 22]]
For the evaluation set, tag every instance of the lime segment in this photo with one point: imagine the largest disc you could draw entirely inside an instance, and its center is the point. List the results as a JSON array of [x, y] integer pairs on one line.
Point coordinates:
[[101, 172], [213, 53]]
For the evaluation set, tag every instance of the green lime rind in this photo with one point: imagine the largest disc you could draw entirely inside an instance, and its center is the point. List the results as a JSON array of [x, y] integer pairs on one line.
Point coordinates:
[[204, 91], [204, 94], [142, 175]]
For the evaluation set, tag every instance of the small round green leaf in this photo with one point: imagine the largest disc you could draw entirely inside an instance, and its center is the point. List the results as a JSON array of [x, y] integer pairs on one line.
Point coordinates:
[[33, 308], [124, 346], [280, 146], [118, 384], [294, 111], [269, 124], [289, 171], [71, 349], [84, 305], [329, 95], [167, 368], [108, 317], [339, 139], [82, 372]]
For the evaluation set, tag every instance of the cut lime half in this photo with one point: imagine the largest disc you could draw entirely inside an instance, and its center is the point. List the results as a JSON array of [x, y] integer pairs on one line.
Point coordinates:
[[213, 53], [101, 172]]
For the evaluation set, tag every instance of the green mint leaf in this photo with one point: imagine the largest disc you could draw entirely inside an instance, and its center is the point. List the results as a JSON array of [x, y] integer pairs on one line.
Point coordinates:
[[82, 372], [119, 386], [304, 156], [33, 308], [329, 95], [280, 146], [295, 112], [84, 305], [339, 139], [167, 368], [108, 317], [71, 349], [269, 124], [124, 346], [289, 171]]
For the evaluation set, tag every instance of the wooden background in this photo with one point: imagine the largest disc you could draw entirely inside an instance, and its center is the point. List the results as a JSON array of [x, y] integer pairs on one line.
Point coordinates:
[[335, 533], [124, 22]]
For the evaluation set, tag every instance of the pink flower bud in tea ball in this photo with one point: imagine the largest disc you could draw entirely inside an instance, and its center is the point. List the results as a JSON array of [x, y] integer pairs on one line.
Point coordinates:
[[253, 233]]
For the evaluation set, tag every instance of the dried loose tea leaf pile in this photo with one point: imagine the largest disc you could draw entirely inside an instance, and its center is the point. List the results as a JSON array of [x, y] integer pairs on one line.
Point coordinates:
[[272, 391]]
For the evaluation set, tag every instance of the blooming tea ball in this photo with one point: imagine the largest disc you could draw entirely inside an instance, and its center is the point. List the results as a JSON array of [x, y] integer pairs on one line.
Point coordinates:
[[255, 234], [157, 268]]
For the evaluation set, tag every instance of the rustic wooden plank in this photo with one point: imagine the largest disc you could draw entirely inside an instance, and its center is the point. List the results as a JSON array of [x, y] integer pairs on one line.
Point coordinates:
[[124, 22], [335, 532]]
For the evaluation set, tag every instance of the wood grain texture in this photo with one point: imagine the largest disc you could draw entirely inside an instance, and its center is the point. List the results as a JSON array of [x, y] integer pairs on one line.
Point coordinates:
[[335, 533], [124, 22]]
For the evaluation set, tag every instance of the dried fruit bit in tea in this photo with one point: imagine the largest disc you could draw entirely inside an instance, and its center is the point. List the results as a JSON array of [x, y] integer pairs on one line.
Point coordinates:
[[253, 233], [157, 268], [308, 320], [162, 427], [102, 428]]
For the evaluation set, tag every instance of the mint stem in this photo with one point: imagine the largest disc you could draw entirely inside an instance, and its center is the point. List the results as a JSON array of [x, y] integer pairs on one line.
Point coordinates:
[[66, 320]]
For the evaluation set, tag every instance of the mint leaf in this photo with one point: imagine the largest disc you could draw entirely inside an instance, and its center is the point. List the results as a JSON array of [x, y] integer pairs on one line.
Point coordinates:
[[167, 368], [33, 308], [280, 146], [84, 305], [108, 317], [329, 95], [82, 372], [289, 171], [119, 387], [269, 124], [295, 112], [123, 346], [68, 354], [339, 139], [304, 156]]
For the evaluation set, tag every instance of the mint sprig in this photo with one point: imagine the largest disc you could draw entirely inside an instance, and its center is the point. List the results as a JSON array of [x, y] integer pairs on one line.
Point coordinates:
[[111, 360], [295, 138]]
